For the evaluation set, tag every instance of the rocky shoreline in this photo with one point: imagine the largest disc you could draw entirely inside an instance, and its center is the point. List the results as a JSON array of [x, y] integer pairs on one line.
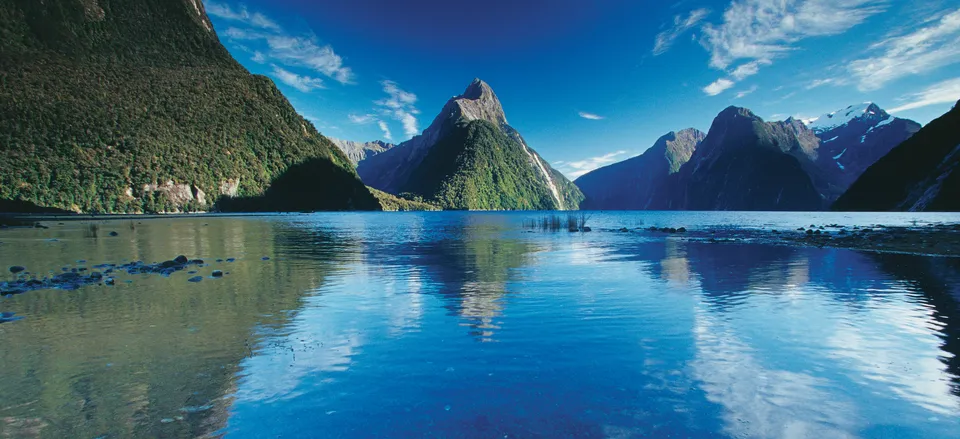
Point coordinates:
[[931, 240]]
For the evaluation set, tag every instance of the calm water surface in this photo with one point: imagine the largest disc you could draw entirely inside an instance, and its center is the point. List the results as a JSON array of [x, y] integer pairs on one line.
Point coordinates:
[[465, 325]]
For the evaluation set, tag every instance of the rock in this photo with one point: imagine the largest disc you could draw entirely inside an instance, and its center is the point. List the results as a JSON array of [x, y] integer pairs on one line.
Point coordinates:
[[816, 232], [653, 228], [7, 317], [16, 269], [217, 273], [809, 231], [624, 229], [195, 279], [266, 258], [109, 281], [114, 234], [586, 229], [231, 259], [682, 230], [181, 259]]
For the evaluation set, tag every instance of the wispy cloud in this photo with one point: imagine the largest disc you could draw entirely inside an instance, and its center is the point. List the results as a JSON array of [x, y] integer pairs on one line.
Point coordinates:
[[718, 86], [279, 46], [305, 84], [681, 25], [754, 33], [941, 93], [822, 82], [590, 116], [242, 15], [577, 168], [398, 105], [928, 47], [362, 118], [743, 93], [386, 130], [765, 29]]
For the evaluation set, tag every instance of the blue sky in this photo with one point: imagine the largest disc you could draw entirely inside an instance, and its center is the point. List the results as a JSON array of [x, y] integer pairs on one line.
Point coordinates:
[[591, 83]]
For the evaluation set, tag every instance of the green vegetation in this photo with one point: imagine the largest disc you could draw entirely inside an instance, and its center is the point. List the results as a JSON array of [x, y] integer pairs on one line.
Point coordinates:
[[394, 203], [100, 98], [477, 166]]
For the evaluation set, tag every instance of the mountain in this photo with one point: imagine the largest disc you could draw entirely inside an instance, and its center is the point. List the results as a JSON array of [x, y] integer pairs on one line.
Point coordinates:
[[854, 138], [471, 158], [359, 151], [917, 175], [639, 183], [744, 163], [135, 106]]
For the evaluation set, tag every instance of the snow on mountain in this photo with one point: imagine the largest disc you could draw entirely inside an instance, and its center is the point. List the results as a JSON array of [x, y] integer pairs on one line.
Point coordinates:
[[842, 117]]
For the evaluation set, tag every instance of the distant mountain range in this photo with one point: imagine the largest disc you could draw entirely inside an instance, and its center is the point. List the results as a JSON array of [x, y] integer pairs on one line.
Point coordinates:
[[359, 151], [471, 158], [920, 174], [745, 163]]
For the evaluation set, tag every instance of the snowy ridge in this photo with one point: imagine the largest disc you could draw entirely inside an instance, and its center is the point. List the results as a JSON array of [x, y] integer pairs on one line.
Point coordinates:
[[840, 118]]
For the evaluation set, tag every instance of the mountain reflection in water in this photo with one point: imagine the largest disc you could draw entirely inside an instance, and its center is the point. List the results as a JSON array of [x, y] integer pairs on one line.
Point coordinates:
[[465, 325]]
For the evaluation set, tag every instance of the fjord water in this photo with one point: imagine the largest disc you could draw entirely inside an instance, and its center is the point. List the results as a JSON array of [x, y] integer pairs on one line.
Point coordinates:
[[466, 325]]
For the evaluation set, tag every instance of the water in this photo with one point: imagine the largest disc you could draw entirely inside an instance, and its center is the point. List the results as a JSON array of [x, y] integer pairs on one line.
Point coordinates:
[[465, 325]]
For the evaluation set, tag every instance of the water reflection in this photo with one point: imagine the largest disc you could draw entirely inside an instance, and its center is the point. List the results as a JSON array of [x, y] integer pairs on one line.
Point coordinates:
[[152, 358], [378, 326]]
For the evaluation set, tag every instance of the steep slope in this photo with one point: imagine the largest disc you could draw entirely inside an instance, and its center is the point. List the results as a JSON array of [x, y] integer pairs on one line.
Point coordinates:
[[854, 138], [134, 105], [639, 183], [745, 163], [471, 158], [359, 151], [917, 175]]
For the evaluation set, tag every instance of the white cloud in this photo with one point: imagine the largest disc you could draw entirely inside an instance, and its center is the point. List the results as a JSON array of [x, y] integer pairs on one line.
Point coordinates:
[[258, 58], [821, 82], [590, 116], [926, 48], [748, 69], [945, 92], [666, 38], [362, 119], [386, 130], [305, 84], [307, 52], [718, 86], [282, 47], [577, 168], [763, 30], [743, 93], [399, 105], [242, 15]]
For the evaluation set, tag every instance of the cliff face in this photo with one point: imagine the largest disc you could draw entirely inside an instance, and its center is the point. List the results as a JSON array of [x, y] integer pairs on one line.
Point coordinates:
[[471, 158], [134, 105]]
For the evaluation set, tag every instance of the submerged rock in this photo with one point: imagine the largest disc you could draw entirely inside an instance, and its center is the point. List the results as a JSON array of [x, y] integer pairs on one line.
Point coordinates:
[[217, 273], [195, 279], [7, 317], [16, 269]]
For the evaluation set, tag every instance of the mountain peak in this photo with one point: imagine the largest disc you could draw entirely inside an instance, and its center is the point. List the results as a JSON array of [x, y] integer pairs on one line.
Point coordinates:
[[479, 101], [866, 111], [476, 89]]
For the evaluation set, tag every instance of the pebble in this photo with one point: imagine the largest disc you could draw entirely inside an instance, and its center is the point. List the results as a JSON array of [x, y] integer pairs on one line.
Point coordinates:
[[195, 279], [7, 317], [265, 258], [16, 269], [114, 234], [217, 273]]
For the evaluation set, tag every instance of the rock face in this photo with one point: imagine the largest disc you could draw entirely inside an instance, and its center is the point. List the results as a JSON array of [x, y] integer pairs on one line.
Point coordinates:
[[639, 183], [134, 106], [360, 151], [917, 175], [471, 158]]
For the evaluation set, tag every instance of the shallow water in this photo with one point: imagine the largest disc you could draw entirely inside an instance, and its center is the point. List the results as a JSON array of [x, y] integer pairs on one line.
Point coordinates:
[[465, 325]]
